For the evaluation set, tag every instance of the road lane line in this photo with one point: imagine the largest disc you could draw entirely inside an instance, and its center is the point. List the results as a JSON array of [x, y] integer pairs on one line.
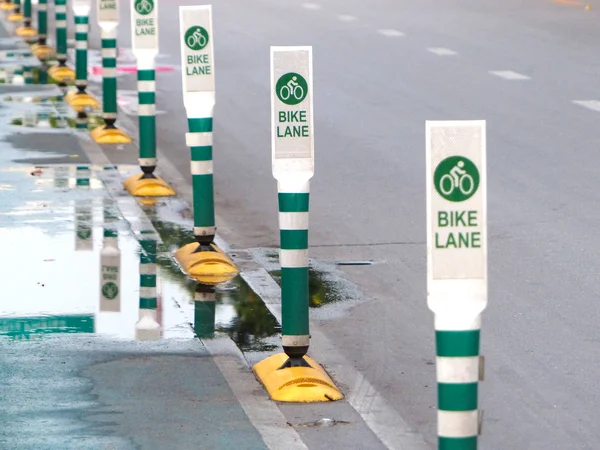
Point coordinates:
[[509, 75], [594, 105], [347, 18], [311, 6], [391, 33], [441, 51], [383, 420]]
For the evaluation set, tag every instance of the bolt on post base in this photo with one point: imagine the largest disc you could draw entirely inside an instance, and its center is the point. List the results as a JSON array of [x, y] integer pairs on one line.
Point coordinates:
[[141, 185], [15, 17], [81, 101], [304, 383], [109, 134], [62, 74], [42, 51], [211, 266]]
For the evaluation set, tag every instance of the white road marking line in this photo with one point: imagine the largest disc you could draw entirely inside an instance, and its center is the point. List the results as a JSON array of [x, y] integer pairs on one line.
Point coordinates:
[[390, 33], [441, 51], [311, 6], [509, 75], [380, 417], [347, 18], [594, 105]]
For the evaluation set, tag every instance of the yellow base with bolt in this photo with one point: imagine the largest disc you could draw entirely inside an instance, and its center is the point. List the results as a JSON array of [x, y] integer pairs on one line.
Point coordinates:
[[296, 384], [42, 52], [26, 32], [15, 17], [81, 102], [148, 187], [103, 135], [206, 267], [62, 74]]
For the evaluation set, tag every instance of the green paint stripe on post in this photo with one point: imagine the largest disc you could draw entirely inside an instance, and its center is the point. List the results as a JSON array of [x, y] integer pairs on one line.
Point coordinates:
[[148, 281], [294, 239], [148, 303], [146, 75], [109, 95], [110, 233], [109, 43], [290, 202], [457, 343], [457, 396], [146, 98], [82, 20], [81, 63], [147, 137], [204, 207], [465, 443], [61, 41], [201, 153], [200, 125], [109, 63], [27, 10], [294, 310]]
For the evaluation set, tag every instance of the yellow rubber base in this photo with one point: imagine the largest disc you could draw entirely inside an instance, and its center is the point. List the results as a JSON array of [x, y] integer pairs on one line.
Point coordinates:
[[296, 384], [7, 6], [26, 31], [15, 17], [148, 187], [103, 135], [206, 267], [62, 74], [42, 52], [81, 102]]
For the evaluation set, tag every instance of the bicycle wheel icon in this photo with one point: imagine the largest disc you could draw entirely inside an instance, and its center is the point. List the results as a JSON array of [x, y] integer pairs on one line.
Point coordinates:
[[291, 88], [196, 38], [144, 6], [456, 178]]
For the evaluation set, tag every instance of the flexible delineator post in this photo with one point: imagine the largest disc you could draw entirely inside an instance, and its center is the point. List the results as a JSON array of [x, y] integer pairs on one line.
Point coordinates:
[[42, 21], [81, 52], [204, 311], [109, 76], [293, 256], [60, 10], [457, 366], [147, 327], [27, 13], [146, 79], [199, 139]]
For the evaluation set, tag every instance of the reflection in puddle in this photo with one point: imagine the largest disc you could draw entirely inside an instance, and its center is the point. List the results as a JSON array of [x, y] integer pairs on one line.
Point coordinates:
[[322, 289]]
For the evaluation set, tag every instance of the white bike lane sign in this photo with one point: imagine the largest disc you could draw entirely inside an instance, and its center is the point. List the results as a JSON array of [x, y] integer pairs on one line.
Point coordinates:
[[145, 36], [457, 199], [197, 49]]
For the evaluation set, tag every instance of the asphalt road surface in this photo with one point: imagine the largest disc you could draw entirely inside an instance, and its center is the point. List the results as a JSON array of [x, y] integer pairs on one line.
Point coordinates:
[[381, 69]]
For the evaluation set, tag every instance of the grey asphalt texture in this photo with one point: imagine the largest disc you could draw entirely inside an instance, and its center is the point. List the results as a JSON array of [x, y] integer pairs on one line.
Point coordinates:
[[372, 96]]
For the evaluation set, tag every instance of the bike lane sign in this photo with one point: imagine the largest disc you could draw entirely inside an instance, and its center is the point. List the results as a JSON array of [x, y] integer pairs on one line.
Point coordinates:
[[144, 30], [108, 12], [197, 48], [292, 110], [456, 200]]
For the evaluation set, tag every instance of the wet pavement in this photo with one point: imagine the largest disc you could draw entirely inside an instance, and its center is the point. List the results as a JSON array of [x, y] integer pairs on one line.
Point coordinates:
[[74, 375]]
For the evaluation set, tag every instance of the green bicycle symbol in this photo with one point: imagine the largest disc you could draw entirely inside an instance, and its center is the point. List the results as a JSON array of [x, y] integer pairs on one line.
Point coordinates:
[[291, 88], [456, 178], [196, 38], [110, 290], [144, 7]]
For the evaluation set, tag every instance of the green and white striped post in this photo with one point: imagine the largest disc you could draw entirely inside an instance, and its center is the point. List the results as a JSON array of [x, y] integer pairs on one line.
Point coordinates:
[[61, 73], [82, 19], [17, 76], [42, 22], [147, 327], [457, 272], [198, 75], [84, 239], [205, 300], [26, 29], [110, 261], [293, 167], [28, 74], [108, 19], [144, 38]]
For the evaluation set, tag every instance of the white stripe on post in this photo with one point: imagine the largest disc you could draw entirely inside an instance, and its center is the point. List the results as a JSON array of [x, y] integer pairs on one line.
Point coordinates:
[[458, 424], [198, 139], [293, 258], [457, 369], [293, 220], [202, 167]]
